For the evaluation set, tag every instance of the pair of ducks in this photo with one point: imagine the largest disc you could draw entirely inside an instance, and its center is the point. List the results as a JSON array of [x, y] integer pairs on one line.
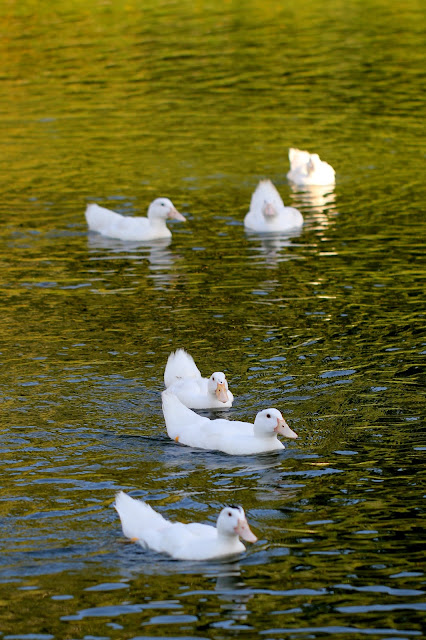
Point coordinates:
[[185, 388], [267, 212]]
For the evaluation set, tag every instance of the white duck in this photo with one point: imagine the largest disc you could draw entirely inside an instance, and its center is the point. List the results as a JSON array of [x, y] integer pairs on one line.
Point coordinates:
[[230, 436], [308, 169], [183, 378], [191, 541], [267, 211], [114, 225]]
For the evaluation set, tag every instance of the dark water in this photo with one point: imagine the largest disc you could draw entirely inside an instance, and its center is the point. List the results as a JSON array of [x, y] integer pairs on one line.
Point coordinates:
[[115, 103]]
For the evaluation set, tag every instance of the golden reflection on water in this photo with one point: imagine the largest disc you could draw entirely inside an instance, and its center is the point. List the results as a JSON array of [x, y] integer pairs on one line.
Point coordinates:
[[124, 102]]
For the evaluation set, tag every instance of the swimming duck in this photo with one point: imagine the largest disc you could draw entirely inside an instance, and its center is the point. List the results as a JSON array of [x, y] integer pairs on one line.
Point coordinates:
[[267, 211], [193, 541], [114, 225], [230, 436], [308, 169], [183, 378]]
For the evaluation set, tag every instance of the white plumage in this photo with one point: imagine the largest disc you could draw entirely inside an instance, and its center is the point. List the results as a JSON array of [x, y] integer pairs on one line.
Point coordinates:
[[191, 541], [308, 169], [183, 378], [230, 436], [267, 211], [114, 225]]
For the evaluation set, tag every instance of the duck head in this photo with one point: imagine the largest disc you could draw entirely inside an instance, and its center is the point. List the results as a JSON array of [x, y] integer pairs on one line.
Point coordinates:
[[218, 386], [270, 422], [232, 522], [164, 208]]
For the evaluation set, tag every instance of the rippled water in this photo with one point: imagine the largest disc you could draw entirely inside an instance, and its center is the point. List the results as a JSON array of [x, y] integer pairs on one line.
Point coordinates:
[[115, 103]]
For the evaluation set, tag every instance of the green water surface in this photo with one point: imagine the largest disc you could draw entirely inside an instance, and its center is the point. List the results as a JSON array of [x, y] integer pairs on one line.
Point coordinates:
[[118, 102]]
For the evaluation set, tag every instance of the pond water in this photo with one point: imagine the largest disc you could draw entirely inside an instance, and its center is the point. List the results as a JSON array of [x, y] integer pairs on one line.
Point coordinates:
[[120, 102]]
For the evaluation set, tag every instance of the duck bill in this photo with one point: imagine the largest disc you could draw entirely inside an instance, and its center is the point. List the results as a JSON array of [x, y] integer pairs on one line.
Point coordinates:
[[221, 392], [283, 428], [175, 215], [244, 531], [269, 210]]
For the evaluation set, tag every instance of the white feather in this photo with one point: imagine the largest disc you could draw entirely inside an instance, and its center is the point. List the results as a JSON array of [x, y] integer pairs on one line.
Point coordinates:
[[180, 365]]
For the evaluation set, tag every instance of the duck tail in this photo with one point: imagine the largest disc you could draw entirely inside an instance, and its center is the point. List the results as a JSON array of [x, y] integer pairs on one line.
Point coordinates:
[[297, 158], [292, 153], [176, 415], [100, 219], [180, 365], [137, 517], [265, 193]]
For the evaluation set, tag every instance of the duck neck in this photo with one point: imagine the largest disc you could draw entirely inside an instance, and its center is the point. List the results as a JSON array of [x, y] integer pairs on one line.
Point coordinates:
[[157, 223], [228, 540], [265, 435]]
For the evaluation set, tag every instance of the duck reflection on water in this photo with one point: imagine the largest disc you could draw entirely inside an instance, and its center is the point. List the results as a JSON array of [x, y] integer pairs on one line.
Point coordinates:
[[316, 201], [231, 590], [161, 260], [270, 247]]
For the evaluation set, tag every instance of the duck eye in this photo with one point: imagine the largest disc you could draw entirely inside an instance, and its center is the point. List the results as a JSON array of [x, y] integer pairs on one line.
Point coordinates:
[[229, 514], [268, 415]]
